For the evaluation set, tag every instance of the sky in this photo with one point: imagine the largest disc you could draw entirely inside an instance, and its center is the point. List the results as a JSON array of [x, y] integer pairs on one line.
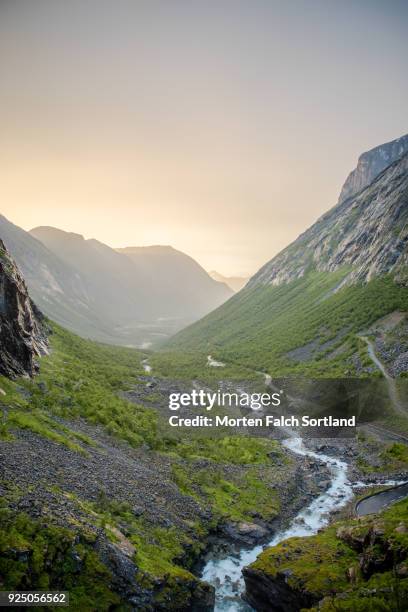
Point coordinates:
[[221, 127]]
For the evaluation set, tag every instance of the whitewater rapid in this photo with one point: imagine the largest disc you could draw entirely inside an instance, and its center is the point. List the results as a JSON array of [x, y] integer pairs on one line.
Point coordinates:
[[225, 572]]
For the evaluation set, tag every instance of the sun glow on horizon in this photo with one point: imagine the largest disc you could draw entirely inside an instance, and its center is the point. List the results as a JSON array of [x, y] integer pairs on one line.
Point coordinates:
[[175, 123]]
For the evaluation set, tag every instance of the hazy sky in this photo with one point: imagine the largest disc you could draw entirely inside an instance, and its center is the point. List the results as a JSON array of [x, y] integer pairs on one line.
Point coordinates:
[[221, 127]]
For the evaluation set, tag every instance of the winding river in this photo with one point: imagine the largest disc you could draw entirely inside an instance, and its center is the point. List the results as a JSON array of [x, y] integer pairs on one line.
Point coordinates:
[[225, 572]]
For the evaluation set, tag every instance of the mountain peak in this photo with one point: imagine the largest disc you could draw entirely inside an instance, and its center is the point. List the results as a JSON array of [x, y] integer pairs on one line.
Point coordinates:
[[366, 233], [371, 163], [236, 283]]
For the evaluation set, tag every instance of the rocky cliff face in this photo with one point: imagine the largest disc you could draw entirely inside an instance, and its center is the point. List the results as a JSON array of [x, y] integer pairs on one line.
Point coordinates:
[[22, 333], [371, 163], [368, 234]]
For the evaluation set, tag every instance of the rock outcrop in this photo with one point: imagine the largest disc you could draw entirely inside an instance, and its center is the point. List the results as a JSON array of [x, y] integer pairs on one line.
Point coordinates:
[[370, 164], [367, 234], [22, 332], [273, 594], [354, 565]]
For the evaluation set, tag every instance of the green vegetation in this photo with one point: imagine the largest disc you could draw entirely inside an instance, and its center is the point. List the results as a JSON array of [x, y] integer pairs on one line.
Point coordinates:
[[238, 450], [375, 456], [397, 453], [259, 327], [35, 556], [355, 565], [231, 497], [318, 563], [231, 492], [81, 379], [84, 379], [158, 551], [44, 426], [206, 475], [190, 365], [223, 473]]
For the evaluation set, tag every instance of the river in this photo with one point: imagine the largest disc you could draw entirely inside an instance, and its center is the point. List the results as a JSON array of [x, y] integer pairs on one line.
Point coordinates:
[[224, 572], [146, 366]]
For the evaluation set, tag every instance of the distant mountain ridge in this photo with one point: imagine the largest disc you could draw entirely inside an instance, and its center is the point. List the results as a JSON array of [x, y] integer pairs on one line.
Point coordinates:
[[111, 284], [236, 283], [180, 283], [132, 298], [54, 285]]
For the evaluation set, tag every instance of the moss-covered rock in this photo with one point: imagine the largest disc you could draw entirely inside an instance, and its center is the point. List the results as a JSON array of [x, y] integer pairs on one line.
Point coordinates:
[[38, 556], [354, 565]]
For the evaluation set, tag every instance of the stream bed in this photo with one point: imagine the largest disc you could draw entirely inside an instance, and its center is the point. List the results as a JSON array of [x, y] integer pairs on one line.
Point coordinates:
[[224, 571]]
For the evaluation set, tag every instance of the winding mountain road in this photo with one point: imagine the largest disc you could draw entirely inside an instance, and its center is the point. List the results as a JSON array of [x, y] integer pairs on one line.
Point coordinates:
[[379, 501], [392, 387]]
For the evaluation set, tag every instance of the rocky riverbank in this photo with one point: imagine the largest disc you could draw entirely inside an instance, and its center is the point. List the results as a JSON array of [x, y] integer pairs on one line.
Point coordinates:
[[224, 563], [352, 565], [354, 561]]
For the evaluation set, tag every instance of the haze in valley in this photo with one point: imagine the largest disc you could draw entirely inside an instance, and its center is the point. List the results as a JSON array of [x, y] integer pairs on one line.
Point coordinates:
[[213, 127]]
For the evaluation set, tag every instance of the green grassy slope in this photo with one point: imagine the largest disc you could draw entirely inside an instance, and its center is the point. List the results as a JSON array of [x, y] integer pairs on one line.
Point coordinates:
[[260, 326], [80, 378]]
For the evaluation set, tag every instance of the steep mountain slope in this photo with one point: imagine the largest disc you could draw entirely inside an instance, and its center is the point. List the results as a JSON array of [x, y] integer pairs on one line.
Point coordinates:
[[111, 296], [303, 311], [115, 291], [178, 280], [368, 233], [56, 287], [22, 335], [371, 163]]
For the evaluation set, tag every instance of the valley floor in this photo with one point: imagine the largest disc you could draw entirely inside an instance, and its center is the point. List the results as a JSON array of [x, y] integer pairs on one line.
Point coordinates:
[[99, 498]]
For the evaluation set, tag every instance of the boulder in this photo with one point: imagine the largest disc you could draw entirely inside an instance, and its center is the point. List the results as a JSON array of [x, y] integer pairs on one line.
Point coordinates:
[[246, 532], [273, 594]]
